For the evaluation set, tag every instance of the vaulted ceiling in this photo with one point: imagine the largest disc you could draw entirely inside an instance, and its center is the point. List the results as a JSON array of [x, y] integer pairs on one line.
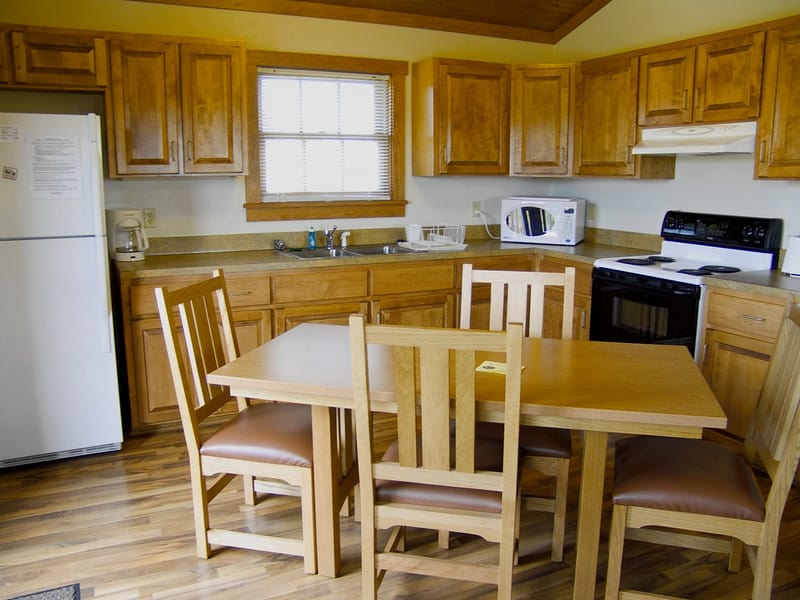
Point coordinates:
[[543, 21]]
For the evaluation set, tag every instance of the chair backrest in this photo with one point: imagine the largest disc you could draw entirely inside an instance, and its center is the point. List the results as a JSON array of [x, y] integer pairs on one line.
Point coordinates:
[[774, 435], [196, 345], [433, 379], [518, 296]]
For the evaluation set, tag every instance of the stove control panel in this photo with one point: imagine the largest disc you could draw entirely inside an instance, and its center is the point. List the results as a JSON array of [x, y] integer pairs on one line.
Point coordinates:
[[753, 233]]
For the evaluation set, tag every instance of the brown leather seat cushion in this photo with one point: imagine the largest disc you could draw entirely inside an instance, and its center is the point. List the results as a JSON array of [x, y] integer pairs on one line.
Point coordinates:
[[273, 433], [695, 476], [533, 441], [488, 457]]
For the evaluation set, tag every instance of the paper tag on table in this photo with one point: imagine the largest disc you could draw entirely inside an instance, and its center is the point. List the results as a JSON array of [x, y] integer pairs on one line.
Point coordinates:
[[490, 366]]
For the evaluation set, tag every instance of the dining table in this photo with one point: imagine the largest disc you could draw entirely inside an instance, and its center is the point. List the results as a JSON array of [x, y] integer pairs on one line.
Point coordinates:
[[596, 388]]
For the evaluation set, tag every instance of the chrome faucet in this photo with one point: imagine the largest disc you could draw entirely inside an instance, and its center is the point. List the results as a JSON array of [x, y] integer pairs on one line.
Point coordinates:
[[329, 237]]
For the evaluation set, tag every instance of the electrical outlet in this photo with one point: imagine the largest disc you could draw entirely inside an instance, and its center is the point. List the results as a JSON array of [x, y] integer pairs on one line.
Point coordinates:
[[476, 208], [149, 217]]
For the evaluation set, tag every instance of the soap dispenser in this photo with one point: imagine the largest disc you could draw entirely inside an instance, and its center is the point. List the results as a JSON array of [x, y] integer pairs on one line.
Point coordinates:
[[312, 239]]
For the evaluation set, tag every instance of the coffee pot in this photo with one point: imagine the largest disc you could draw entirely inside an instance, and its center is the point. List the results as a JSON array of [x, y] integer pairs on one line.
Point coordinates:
[[126, 236]]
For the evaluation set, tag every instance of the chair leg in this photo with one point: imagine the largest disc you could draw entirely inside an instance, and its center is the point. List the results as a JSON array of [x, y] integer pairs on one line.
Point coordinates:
[[616, 541], [506, 568], [560, 511], [249, 490], [309, 527], [763, 571], [200, 511], [444, 539], [735, 556]]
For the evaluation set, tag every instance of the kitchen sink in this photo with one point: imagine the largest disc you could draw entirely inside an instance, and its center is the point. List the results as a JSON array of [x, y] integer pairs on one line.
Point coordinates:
[[317, 253], [373, 250], [378, 249]]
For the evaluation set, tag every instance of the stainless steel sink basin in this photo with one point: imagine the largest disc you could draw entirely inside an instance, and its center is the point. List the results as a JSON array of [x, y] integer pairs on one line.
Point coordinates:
[[317, 253], [378, 249], [373, 250]]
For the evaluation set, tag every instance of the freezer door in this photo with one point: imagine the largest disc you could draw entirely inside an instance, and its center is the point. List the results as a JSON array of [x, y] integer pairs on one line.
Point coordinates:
[[59, 390], [51, 183]]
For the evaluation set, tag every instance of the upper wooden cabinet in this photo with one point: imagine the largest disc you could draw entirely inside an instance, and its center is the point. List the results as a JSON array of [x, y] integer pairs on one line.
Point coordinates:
[[5, 69], [76, 61], [716, 81], [541, 109], [605, 116], [176, 108], [460, 117], [778, 146]]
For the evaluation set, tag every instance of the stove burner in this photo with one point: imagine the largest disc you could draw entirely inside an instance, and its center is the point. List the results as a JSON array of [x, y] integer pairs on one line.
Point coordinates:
[[636, 261], [661, 259], [702, 271], [720, 269]]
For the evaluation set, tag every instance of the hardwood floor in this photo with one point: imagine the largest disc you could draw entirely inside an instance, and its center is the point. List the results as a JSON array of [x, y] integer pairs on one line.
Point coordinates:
[[121, 525]]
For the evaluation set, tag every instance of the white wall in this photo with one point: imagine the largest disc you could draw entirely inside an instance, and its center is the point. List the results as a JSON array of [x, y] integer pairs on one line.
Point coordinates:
[[214, 206]]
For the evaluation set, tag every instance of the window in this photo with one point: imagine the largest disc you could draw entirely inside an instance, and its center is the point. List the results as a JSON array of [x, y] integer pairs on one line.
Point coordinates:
[[327, 137]]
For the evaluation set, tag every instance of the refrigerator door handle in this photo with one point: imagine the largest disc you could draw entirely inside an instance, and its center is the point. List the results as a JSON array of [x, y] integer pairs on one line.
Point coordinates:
[[107, 332]]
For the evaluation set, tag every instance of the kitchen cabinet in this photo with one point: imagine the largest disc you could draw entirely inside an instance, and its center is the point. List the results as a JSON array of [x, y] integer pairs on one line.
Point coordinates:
[[606, 92], [605, 116], [414, 294], [716, 81], [5, 67], [151, 394], [554, 298], [54, 59], [740, 334], [176, 108], [460, 117], [778, 144], [541, 109]]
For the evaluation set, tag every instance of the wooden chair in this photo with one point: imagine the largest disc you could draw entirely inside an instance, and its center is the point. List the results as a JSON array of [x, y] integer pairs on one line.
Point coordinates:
[[267, 441], [518, 296], [676, 485], [429, 478]]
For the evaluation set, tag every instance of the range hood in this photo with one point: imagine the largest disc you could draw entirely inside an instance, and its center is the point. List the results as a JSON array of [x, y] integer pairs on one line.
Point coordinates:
[[723, 138]]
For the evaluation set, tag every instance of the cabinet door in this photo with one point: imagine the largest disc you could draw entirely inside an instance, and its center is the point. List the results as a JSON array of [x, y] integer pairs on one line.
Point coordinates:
[[73, 61], [5, 69], [728, 78], [154, 401], [778, 151], [540, 120], [735, 367], [144, 108], [212, 116], [334, 314], [665, 86], [434, 310], [605, 116], [472, 110]]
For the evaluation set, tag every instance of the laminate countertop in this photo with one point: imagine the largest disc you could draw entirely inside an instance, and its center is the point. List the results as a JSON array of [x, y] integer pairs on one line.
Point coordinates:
[[200, 263]]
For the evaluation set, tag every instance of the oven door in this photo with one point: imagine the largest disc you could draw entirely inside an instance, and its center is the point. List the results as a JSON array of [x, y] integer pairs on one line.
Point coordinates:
[[629, 307]]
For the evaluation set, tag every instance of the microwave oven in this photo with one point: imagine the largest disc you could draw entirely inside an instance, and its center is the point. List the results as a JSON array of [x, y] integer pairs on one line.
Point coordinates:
[[542, 220]]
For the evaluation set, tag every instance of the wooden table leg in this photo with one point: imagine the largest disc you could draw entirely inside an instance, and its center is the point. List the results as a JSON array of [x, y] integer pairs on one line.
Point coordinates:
[[590, 511], [326, 477]]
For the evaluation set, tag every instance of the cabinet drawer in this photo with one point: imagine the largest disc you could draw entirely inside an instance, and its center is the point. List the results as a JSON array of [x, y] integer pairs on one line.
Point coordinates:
[[250, 290], [320, 284], [752, 316], [418, 277]]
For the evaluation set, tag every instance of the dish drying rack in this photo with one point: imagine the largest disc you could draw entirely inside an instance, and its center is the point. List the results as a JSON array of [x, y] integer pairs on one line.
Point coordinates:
[[439, 238]]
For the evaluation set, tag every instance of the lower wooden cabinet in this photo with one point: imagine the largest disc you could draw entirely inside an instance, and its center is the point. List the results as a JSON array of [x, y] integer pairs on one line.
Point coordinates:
[[153, 399], [554, 298], [335, 313], [435, 310], [739, 337]]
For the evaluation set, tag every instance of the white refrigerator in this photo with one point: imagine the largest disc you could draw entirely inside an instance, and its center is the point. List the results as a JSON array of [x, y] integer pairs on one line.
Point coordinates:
[[58, 377]]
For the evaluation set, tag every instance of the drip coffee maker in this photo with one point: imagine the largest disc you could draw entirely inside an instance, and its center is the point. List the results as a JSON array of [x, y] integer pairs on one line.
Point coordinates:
[[126, 236]]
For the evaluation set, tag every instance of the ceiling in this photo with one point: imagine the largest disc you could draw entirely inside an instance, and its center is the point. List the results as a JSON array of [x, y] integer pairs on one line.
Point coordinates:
[[543, 21]]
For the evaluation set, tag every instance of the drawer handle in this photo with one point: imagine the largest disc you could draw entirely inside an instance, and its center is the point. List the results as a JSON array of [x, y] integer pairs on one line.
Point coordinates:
[[241, 293], [754, 318]]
